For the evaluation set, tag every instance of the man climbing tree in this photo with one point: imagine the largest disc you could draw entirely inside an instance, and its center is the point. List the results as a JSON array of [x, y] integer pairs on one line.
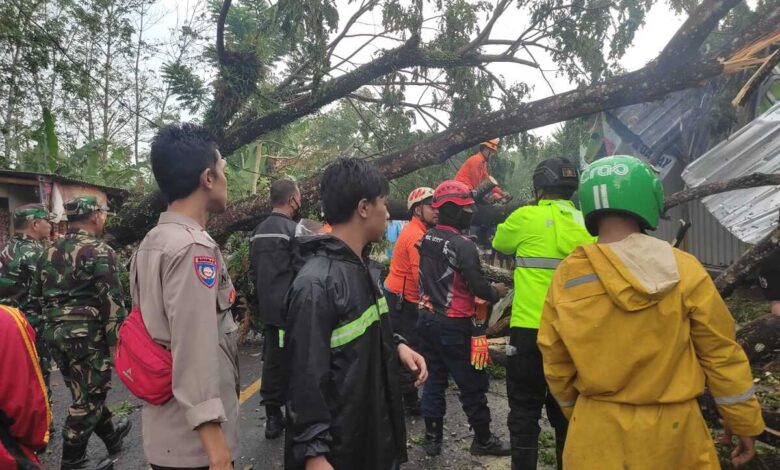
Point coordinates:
[[474, 171]]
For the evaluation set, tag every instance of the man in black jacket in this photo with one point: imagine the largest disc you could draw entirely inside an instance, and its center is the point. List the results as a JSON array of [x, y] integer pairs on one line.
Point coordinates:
[[274, 263], [344, 405], [450, 339]]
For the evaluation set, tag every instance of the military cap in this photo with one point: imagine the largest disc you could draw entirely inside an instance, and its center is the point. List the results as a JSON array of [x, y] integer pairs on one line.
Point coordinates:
[[83, 205], [31, 212]]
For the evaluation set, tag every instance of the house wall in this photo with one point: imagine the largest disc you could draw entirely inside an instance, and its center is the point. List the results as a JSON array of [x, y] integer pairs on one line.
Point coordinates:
[[20, 194]]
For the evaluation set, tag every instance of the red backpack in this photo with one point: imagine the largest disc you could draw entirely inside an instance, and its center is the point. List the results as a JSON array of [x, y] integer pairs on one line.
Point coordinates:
[[145, 367]]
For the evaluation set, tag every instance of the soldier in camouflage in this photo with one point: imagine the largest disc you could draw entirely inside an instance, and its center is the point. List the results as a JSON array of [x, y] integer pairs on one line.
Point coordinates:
[[19, 266], [82, 307]]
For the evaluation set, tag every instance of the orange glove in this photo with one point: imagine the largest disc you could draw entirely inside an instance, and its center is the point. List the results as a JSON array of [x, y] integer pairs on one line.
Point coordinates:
[[480, 354]]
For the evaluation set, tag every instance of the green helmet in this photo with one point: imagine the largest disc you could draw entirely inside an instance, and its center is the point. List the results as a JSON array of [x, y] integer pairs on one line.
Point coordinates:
[[621, 184]]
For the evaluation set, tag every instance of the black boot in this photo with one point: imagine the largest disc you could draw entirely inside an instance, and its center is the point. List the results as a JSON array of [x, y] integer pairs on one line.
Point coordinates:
[[74, 457], [486, 443], [112, 434], [434, 433], [412, 404], [524, 456], [274, 422]]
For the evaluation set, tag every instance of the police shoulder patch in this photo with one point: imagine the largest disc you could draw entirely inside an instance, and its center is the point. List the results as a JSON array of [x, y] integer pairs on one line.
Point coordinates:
[[206, 270]]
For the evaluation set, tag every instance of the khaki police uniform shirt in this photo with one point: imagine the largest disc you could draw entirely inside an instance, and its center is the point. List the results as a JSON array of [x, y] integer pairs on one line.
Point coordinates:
[[181, 283]]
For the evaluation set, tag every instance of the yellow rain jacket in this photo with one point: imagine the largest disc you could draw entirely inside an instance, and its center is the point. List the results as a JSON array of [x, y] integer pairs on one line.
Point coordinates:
[[631, 333]]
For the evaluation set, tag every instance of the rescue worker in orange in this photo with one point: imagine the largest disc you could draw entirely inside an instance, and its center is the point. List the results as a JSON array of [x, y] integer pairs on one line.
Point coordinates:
[[631, 333], [401, 286], [474, 171], [25, 416]]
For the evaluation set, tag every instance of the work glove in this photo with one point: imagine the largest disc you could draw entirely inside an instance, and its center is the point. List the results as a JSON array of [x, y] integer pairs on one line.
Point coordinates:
[[480, 355]]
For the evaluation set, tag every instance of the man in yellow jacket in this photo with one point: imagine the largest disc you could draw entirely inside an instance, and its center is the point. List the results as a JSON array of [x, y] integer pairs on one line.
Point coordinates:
[[632, 332], [540, 236]]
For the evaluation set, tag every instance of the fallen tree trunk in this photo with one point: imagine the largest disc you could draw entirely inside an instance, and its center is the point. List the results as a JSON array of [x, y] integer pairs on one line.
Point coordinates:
[[743, 182], [620, 91], [760, 339], [748, 263], [489, 215]]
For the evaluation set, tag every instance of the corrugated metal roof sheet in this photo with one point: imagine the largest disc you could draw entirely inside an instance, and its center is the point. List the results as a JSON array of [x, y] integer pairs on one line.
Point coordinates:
[[63, 179], [750, 214], [655, 121]]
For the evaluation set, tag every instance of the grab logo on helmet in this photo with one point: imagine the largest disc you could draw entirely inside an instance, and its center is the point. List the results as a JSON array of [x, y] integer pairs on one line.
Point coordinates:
[[618, 169]]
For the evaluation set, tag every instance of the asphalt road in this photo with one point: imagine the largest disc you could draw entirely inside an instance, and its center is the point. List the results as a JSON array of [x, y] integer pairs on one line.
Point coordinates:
[[257, 453]]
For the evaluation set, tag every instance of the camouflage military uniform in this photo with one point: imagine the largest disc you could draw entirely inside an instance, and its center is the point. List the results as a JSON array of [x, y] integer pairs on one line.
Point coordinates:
[[18, 267], [82, 305]]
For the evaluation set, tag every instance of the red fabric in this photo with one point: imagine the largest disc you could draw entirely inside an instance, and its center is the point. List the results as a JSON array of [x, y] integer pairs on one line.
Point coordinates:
[[405, 265], [474, 172], [463, 304], [145, 367], [23, 398]]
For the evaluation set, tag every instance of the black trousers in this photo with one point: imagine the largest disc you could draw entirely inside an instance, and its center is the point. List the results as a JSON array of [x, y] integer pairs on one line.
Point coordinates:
[[274, 386], [403, 318], [445, 343], [527, 390]]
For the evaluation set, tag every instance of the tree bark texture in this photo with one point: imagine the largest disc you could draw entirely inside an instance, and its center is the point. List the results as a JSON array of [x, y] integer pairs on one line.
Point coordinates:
[[748, 263]]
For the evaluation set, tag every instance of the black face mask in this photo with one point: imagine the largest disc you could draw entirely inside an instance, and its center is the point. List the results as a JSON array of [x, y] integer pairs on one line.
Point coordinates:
[[296, 216], [464, 219]]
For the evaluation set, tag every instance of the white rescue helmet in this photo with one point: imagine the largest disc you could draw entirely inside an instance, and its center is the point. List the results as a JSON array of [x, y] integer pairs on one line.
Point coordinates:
[[418, 195]]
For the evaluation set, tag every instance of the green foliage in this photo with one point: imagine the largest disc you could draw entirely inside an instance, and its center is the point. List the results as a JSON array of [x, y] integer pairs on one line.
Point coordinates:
[[496, 372], [238, 268], [745, 308], [123, 408], [87, 163], [189, 88]]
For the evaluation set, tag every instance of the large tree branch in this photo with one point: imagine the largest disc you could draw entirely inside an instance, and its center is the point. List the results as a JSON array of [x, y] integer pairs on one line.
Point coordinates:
[[620, 91], [247, 128], [748, 263], [364, 8], [647, 84], [223, 12], [485, 34], [685, 44], [743, 182]]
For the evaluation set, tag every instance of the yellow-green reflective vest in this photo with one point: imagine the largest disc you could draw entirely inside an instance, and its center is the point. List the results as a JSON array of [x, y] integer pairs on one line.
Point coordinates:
[[539, 237]]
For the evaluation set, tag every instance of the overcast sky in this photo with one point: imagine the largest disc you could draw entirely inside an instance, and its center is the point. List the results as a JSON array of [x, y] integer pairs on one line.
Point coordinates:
[[660, 25]]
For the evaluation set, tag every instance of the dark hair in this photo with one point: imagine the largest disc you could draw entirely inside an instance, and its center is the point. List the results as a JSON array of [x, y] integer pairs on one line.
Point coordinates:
[[281, 191], [345, 183], [180, 152]]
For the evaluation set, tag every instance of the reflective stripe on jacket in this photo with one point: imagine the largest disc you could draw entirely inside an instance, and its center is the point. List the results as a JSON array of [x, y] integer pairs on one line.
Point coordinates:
[[344, 400], [540, 237], [274, 261], [631, 333]]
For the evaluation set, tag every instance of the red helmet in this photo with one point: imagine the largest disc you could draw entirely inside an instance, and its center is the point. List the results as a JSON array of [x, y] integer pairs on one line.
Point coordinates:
[[452, 191]]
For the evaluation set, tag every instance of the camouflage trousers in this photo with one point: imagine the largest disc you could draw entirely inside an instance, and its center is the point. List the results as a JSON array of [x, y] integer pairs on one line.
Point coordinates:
[[44, 357], [82, 354]]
